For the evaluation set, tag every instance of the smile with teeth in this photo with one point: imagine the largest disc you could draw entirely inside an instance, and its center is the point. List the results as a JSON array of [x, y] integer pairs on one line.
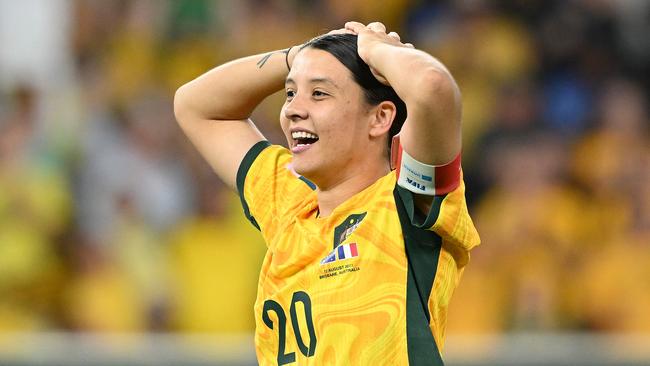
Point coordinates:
[[303, 138]]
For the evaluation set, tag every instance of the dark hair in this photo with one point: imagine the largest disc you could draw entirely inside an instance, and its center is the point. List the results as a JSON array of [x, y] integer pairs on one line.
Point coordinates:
[[344, 48]]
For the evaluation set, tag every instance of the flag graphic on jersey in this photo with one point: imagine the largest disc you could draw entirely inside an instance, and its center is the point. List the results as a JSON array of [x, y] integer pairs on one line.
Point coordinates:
[[330, 258], [347, 251], [341, 252]]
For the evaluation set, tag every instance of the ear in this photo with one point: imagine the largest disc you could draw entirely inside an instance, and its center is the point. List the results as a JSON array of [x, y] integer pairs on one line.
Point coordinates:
[[382, 118]]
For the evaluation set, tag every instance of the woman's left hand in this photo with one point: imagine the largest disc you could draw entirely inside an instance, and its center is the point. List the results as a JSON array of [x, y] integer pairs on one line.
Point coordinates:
[[370, 36]]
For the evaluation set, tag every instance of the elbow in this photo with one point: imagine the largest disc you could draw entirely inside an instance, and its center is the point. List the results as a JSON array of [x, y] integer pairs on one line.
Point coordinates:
[[437, 91], [437, 84], [181, 104]]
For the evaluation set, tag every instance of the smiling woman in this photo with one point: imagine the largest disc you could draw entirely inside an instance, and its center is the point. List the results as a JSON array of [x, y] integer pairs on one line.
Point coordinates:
[[333, 109], [362, 259], [332, 95]]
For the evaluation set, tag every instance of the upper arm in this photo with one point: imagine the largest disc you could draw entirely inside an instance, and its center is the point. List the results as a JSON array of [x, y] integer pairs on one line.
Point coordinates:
[[222, 143]]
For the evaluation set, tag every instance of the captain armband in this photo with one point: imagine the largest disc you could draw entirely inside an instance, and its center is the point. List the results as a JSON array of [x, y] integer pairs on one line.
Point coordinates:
[[430, 180]]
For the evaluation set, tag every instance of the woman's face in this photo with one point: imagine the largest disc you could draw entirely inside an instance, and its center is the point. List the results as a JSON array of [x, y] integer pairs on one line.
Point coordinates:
[[325, 117]]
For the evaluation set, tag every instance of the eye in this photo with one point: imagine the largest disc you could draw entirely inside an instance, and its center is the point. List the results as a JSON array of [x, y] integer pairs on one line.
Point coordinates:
[[290, 93], [319, 94]]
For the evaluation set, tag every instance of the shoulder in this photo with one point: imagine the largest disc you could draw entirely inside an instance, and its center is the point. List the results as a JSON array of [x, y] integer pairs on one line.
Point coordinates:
[[267, 184], [265, 161]]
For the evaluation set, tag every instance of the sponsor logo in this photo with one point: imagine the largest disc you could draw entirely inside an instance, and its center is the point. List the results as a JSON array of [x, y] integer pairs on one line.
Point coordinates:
[[418, 175], [416, 184]]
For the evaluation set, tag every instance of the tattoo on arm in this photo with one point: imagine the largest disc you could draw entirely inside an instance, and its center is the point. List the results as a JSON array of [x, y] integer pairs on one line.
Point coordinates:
[[263, 60], [266, 57]]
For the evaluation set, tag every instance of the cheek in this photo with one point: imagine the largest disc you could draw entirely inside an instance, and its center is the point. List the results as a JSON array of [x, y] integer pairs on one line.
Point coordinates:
[[341, 134], [340, 125], [284, 123]]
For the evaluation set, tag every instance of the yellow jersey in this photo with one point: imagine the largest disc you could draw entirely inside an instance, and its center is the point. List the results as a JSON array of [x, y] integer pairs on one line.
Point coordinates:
[[367, 285]]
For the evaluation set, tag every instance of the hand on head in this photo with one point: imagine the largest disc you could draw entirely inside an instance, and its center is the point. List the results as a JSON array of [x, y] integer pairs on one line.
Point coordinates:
[[370, 36], [376, 31]]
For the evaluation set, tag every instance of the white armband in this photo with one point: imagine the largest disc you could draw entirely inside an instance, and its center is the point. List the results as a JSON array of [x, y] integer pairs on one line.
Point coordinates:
[[417, 177]]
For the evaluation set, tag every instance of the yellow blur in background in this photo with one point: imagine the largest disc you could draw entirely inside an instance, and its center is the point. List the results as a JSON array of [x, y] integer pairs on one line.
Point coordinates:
[[111, 223]]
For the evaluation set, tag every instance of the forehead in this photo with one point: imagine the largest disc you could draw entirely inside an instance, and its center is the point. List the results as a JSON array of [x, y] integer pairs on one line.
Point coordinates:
[[311, 63]]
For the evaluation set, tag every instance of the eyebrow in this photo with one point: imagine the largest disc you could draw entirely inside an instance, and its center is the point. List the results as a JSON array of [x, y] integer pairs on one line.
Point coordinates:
[[315, 81]]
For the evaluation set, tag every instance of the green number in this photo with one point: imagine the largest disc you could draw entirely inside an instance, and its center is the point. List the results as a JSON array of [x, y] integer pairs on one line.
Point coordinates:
[[306, 301], [283, 358], [307, 350]]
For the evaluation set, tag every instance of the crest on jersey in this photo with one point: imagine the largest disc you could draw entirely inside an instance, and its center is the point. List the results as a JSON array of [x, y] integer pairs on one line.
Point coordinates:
[[347, 227]]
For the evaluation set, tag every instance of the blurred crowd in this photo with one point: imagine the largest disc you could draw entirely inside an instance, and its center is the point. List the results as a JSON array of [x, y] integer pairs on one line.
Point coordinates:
[[111, 222]]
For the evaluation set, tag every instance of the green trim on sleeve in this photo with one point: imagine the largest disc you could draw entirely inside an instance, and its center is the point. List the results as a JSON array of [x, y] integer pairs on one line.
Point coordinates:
[[242, 172], [416, 217], [309, 183], [422, 249]]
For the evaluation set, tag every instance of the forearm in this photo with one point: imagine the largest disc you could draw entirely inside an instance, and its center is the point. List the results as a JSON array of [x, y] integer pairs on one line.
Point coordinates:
[[414, 74], [232, 91], [432, 133]]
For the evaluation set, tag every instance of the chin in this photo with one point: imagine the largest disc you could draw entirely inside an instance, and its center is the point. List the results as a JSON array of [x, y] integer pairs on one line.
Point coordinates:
[[308, 171], [301, 168]]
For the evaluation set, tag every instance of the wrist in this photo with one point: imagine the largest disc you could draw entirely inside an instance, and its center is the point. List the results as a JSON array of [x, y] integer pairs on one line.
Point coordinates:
[[376, 53], [291, 54]]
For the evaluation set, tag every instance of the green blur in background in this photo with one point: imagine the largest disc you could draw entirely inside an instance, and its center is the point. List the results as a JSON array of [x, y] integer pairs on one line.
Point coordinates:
[[112, 225]]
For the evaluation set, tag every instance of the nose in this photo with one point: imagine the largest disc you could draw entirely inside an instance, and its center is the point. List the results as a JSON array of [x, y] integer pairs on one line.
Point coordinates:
[[295, 109]]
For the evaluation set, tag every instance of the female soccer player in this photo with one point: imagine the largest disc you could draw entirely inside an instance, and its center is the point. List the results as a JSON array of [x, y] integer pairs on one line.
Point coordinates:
[[364, 251]]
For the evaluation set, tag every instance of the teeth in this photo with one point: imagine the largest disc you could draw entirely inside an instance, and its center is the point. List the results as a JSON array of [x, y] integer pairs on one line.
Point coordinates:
[[303, 135]]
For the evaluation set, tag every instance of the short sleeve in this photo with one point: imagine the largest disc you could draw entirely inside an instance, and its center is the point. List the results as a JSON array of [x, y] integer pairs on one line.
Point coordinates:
[[267, 185], [448, 218]]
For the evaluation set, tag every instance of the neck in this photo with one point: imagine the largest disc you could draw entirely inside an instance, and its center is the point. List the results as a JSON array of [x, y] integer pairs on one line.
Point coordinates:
[[332, 195]]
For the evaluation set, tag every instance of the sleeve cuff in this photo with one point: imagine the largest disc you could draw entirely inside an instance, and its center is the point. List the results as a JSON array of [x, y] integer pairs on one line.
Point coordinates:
[[242, 172], [418, 219]]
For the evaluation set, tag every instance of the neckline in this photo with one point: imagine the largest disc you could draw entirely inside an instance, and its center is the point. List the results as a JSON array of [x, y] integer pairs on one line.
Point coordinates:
[[351, 201]]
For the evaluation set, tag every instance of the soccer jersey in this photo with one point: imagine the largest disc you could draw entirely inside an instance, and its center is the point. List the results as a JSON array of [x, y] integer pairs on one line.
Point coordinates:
[[367, 285]]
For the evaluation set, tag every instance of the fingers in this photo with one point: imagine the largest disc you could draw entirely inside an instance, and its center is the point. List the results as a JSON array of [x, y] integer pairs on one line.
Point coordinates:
[[341, 31], [358, 27], [377, 27], [355, 27]]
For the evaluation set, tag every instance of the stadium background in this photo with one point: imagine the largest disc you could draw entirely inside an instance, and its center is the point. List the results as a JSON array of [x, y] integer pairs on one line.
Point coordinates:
[[119, 246]]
